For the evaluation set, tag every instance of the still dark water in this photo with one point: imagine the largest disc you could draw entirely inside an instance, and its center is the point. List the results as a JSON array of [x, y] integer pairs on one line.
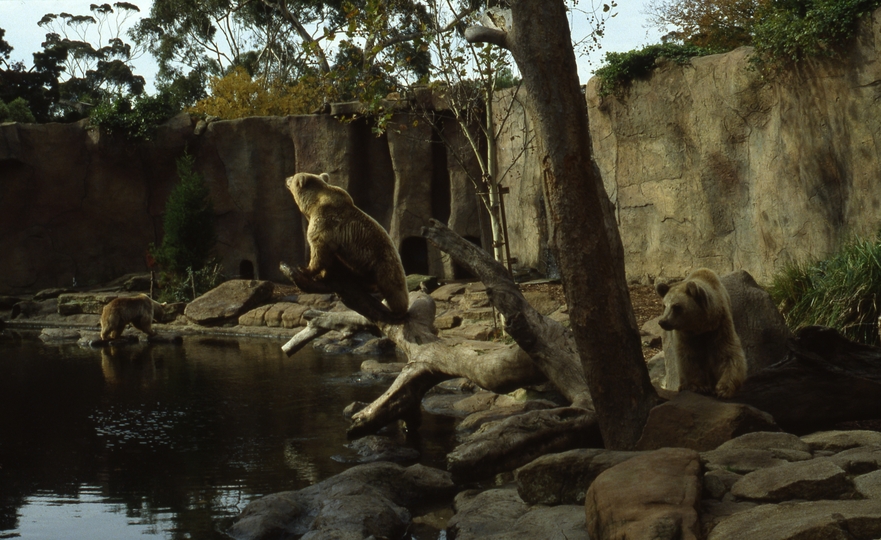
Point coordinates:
[[168, 441]]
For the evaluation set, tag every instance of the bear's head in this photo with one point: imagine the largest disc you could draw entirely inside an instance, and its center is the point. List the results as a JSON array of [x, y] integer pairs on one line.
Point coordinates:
[[687, 307], [312, 190]]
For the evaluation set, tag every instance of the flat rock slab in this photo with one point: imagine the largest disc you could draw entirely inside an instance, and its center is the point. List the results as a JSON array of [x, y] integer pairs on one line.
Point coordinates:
[[228, 301], [365, 500], [869, 485], [817, 520], [836, 441], [564, 478], [500, 514], [653, 496], [810, 480], [700, 423]]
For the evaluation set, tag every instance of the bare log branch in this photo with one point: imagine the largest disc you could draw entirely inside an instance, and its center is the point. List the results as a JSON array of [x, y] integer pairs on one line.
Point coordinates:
[[346, 285], [482, 34], [322, 323], [547, 342]]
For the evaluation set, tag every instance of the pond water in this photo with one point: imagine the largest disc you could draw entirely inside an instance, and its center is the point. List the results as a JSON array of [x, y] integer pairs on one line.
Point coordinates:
[[169, 441]]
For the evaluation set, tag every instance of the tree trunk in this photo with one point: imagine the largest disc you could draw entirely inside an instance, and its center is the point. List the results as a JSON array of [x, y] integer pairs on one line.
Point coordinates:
[[584, 234]]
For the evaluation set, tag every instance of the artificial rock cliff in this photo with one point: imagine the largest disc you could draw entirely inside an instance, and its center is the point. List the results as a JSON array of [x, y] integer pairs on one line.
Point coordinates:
[[712, 164], [708, 164], [78, 206]]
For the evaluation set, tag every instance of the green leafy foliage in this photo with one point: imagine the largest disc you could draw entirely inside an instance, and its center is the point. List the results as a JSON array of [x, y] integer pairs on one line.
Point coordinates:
[[841, 292], [37, 86], [97, 61], [622, 68], [186, 254], [16, 110], [135, 119], [787, 31], [782, 31]]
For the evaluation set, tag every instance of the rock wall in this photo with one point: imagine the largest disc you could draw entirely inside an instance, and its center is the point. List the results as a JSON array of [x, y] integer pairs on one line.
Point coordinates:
[[710, 164], [77, 206]]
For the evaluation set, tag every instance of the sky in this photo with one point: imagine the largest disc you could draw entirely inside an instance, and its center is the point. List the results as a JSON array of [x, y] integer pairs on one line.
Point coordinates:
[[628, 30]]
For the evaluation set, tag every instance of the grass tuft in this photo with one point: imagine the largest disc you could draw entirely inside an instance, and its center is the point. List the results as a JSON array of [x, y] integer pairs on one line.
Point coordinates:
[[841, 292]]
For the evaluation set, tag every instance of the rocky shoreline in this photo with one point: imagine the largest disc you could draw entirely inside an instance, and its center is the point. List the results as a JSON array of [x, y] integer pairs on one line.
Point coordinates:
[[729, 473]]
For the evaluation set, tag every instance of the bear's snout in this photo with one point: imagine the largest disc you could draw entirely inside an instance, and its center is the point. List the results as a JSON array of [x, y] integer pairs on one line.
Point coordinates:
[[665, 324]]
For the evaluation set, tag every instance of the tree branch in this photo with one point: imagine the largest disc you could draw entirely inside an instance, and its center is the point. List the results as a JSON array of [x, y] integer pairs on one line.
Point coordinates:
[[547, 342]]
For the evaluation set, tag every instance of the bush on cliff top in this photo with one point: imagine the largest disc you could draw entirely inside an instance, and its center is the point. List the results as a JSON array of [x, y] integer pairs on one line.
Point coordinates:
[[622, 68], [841, 292], [781, 31]]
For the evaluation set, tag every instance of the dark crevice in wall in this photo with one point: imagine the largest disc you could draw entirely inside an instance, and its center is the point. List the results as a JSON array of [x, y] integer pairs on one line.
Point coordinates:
[[414, 255], [441, 198]]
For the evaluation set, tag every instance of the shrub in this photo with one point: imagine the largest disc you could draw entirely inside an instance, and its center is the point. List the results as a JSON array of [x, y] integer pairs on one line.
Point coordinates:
[[136, 119], [841, 292], [622, 68], [16, 111], [186, 256], [237, 95], [787, 30]]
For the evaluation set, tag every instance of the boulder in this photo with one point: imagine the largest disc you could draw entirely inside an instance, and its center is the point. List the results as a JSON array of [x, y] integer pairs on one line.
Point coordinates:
[[859, 460], [653, 496], [362, 501], [809, 480], [836, 441], [565, 477], [699, 422], [740, 460], [226, 302], [377, 448], [90, 303], [869, 485], [815, 520], [500, 514]]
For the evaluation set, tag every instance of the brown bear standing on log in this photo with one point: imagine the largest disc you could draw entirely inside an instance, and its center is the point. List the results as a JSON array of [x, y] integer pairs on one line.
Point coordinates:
[[139, 310], [348, 245], [700, 335]]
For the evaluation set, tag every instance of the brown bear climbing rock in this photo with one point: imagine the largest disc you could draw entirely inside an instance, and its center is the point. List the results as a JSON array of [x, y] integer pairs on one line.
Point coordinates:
[[341, 235], [700, 342], [139, 310]]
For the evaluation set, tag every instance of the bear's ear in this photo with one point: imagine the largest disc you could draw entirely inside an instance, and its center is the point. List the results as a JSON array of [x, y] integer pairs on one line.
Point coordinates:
[[325, 177], [662, 289], [698, 293]]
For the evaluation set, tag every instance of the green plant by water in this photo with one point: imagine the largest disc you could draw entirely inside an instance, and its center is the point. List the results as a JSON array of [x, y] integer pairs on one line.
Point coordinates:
[[186, 256]]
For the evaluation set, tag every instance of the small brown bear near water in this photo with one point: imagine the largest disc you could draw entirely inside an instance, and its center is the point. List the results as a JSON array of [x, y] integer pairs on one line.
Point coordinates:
[[139, 310], [700, 334], [340, 233]]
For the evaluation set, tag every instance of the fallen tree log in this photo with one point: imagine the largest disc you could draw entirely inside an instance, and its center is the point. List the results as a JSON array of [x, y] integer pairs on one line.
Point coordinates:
[[544, 349], [824, 380]]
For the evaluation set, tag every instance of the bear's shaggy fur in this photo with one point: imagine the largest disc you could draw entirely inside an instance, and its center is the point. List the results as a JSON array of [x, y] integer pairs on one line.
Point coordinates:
[[699, 332], [339, 232], [139, 310]]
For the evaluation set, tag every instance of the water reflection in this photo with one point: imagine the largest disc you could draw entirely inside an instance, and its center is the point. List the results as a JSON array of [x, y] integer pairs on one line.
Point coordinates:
[[164, 441]]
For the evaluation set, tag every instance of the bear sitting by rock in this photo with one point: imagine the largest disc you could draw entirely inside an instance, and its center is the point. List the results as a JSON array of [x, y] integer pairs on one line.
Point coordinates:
[[700, 342], [139, 310]]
